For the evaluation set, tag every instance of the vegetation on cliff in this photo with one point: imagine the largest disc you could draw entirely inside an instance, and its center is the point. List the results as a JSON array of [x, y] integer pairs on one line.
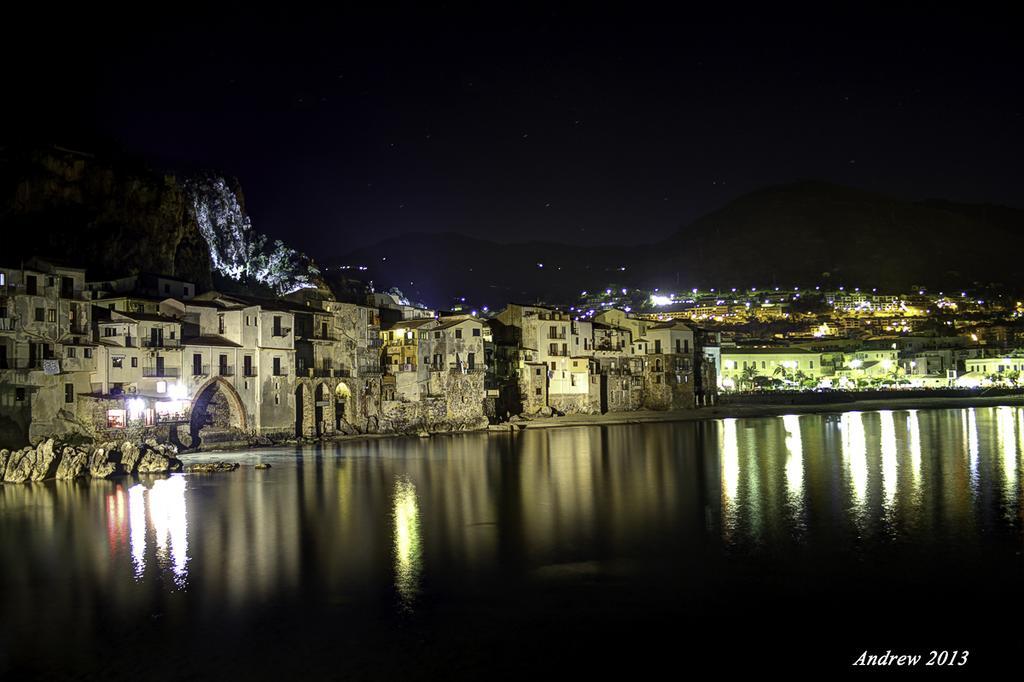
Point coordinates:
[[104, 212]]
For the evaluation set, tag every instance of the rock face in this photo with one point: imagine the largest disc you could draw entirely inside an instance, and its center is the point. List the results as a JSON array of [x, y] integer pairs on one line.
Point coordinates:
[[104, 213]]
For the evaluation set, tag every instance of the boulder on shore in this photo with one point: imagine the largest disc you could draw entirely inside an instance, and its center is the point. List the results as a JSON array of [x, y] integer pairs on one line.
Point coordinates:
[[19, 465], [73, 464], [130, 456], [102, 463], [46, 460], [153, 462]]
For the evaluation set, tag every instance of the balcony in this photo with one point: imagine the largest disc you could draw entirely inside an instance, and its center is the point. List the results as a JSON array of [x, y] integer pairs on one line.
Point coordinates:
[[342, 373], [225, 370], [322, 372], [249, 371], [161, 343], [200, 370], [280, 372], [8, 324], [556, 336], [161, 372], [281, 331]]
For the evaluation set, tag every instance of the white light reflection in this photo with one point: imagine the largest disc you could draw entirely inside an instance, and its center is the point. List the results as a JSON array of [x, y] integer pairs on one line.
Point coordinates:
[[914, 426], [889, 465], [794, 460], [1005, 430], [972, 448], [408, 557], [730, 465], [166, 507], [855, 450], [137, 526], [167, 514]]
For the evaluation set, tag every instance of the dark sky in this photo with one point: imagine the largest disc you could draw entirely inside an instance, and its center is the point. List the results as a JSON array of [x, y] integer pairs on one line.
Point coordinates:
[[557, 124]]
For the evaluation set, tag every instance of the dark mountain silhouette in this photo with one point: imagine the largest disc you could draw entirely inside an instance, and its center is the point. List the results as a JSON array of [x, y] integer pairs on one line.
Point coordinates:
[[800, 234]]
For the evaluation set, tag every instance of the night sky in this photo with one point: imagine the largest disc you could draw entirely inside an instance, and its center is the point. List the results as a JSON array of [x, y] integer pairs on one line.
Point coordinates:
[[348, 128]]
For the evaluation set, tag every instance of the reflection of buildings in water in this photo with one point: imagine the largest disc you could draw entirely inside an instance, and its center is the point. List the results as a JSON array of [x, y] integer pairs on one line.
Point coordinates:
[[887, 444], [408, 552], [117, 519], [856, 455]]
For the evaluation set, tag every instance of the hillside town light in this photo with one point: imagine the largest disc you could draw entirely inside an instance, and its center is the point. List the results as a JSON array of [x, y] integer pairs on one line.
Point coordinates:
[[856, 363]]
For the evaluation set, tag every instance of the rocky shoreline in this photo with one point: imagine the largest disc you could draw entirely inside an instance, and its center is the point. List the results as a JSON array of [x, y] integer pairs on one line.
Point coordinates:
[[51, 459]]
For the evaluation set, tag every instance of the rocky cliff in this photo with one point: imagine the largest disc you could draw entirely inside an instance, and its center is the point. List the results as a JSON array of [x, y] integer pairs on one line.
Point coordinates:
[[111, 215]]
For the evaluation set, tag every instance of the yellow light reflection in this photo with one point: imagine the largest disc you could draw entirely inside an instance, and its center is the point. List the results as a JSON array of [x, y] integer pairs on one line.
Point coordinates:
[[889, 464], [730, 465], [855, 450], [408, 558], [794, 460]]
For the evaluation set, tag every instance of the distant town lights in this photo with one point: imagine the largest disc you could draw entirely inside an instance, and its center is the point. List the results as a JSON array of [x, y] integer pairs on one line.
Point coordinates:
[[658, 300]]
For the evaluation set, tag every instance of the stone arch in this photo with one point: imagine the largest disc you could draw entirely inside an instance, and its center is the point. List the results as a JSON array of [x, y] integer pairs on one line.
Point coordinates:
[[323, 414], [343, 406], [217, 413]]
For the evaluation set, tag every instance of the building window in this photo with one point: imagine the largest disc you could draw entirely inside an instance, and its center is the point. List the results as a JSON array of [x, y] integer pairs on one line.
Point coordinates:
[[70, 351], [51, 315], [19, 394], [277, 366], [538, 391], [167, 288], [117, 361], [185, 289], [88, 352], [116, 419], [458, 333], [39, 315], [476, 332], [69, 393], [437, 335], [537, 371], [135, 362]]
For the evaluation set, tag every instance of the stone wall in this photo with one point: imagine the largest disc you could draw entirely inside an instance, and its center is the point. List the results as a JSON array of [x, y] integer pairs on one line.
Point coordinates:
[[458, 406]]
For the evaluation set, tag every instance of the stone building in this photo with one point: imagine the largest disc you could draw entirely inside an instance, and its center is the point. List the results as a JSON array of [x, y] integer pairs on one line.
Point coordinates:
[[46, 350]]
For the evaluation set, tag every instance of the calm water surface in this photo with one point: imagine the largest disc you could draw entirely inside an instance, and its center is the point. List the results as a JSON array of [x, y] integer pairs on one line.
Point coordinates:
[[779, 543]]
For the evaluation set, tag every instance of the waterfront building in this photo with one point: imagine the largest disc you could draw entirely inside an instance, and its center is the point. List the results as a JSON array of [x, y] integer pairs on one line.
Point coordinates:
[[46, 349]]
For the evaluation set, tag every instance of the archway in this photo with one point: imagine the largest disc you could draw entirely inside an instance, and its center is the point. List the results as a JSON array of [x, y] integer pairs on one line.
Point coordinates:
[[342, 394], [217, 413]]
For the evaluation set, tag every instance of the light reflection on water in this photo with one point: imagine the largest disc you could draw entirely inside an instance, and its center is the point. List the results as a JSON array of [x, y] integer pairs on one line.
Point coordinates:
[[407, 541], [408, 520]]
